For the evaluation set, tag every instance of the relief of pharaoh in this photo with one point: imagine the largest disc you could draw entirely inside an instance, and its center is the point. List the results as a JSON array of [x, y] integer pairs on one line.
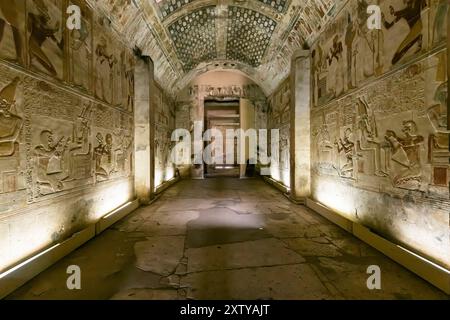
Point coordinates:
[[10, 123]]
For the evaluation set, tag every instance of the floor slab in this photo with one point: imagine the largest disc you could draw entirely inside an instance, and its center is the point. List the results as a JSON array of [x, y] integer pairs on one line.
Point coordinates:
[[226, 238]]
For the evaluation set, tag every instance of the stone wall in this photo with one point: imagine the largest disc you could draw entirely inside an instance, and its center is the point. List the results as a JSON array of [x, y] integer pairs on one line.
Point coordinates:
[[278, 117], [380, 151], [66, 124], [164, 108]]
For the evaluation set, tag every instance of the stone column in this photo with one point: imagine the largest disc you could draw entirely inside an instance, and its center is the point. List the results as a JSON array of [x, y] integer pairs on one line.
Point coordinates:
[[144, 130], [197, 169], [300, 133]]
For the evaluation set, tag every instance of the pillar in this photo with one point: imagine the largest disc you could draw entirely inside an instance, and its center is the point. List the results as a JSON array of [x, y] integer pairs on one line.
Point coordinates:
[[144, 130], [448, 75], [300, 133]]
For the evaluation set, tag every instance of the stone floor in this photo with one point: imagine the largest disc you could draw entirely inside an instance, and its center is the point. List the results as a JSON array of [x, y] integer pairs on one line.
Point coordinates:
[[224, 238]]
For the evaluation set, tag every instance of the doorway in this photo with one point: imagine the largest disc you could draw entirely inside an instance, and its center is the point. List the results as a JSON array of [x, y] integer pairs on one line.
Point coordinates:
[[223, 116]]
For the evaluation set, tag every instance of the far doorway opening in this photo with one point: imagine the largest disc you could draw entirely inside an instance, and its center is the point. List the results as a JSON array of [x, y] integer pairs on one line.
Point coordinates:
[[223, 115]]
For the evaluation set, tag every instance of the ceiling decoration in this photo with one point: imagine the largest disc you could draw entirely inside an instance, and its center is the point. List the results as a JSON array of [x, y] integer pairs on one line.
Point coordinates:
[[194, 36], [249, 34], [170, 6], [279, 5], [185, 38]]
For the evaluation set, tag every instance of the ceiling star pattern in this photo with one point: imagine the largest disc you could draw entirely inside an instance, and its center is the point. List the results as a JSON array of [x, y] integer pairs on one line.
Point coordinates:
[[249, 34], [184, 43], [168, 7], [278, 5], [194, 36]]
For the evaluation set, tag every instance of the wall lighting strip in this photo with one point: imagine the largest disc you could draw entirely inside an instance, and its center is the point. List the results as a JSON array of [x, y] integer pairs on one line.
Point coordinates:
[[116, 210], [20, 265], [425, 260]]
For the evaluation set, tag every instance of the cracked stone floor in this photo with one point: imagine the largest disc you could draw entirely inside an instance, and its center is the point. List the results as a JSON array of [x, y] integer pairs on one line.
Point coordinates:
[[225, 238]]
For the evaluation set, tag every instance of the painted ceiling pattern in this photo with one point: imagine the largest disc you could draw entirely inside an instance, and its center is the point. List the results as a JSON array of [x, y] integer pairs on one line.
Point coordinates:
[[185, 38], [249, 34], [194, 37]]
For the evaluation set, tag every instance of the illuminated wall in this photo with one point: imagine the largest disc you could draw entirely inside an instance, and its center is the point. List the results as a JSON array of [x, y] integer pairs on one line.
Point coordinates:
[[164, 125], [66, 125], [278, 117], [380, 152]]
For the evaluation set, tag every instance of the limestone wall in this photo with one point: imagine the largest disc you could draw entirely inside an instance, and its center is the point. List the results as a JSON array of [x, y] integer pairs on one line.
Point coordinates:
[[278, 117], [66, 124], [380, 139], [164, 108]]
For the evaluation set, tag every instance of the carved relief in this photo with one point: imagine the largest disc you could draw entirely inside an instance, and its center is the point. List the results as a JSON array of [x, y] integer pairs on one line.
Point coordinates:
[[385, 137], [405, 168], [11, 124], [80, 49], [278, 117], [347, 147], [105, 61], [348, 54], [250, 91], [12, 30], [438, 142], [50, 155], [45, 36]]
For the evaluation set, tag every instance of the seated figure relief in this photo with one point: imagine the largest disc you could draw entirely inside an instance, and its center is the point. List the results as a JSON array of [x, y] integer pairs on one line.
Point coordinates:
[[406, 168], [50, 154], [10, 123]]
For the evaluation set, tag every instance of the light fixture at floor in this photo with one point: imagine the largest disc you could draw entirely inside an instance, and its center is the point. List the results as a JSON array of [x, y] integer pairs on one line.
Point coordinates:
[[22, 264]]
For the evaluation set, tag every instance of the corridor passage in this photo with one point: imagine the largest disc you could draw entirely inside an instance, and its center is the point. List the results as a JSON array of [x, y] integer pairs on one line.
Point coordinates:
[[224, 238]]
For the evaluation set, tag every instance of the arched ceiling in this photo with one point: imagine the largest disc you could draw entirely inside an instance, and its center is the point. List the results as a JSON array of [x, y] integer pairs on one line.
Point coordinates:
[[185, 38]]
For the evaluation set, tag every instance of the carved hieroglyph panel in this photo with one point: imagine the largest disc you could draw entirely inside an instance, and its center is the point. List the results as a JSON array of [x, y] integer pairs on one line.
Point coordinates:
[[71, 142], [348, 54], [390, 135], [12, 148]]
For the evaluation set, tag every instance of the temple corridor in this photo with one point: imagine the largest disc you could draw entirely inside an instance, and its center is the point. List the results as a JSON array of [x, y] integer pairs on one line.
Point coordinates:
[[225, 238], [224, 149]]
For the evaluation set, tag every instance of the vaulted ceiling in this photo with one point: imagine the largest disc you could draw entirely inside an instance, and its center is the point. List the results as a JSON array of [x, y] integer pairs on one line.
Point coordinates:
[[185, 38]]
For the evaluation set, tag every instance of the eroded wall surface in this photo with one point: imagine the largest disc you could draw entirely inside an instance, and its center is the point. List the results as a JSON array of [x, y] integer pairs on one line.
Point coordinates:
[[278, 117], [380, 140], [164, 108], [66, 124]]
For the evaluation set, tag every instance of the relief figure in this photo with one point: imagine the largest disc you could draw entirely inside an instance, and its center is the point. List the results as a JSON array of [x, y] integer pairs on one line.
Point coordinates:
[[439, 32], [10, 123], [405, 153], [105, 64], [411, 13], [12, 19], [347, 146], [41, 31], [103, 156], [50, 158]]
